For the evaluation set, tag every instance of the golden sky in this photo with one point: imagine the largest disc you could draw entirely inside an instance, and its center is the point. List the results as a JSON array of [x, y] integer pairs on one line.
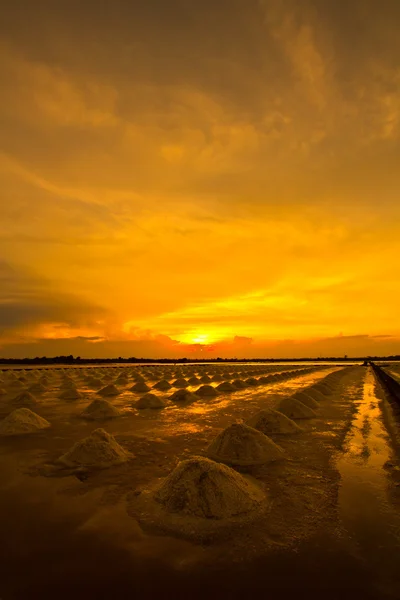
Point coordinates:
[[200, 178]]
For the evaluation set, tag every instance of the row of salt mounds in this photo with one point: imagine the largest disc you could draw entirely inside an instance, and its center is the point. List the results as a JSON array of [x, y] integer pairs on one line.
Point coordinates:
[[202, 488], [100, 450], [100, 410], [22, 421], [294, 409], [273, 422], [242, 445], [306, 399], [150, 401]]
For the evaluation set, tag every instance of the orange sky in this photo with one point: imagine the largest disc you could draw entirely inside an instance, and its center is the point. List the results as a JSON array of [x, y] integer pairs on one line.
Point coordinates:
[[206, 178]]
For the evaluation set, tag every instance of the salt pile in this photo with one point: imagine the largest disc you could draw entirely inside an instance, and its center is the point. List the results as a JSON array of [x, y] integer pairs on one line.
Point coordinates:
[[150, 401], [205, 379], [180, 383], [200, 487], [306, 399], [183, 396], [108, 390], [238, 384], [226, 387], [99, 410], [193, 380], [294, 409], [251, 381], [25, 399], [206, 390], [99, 450], [162, 385], [273, 422], [37, 388], [240, 444], [139, 387], [22, 421], [70, 394]]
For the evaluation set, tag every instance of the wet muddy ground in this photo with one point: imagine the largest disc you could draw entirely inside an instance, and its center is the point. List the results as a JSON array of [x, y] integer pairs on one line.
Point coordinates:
[[331, 524]]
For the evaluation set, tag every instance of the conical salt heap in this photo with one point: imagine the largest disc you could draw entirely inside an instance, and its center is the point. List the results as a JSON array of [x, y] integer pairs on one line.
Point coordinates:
[[306, 399], [22, 421], [180, 383], [139, 387], [99, 450], [36, 388], [206, 390], [108, 390], [150, 401], [240, 444], [162, 385], [205, 379], [238, 384], [226, 386], [70, 394], [251, 381], [24, 399], [273, 422], [294, 409], [314, 393], [99, 410], [200, 487], [183, 396], [193, 380]]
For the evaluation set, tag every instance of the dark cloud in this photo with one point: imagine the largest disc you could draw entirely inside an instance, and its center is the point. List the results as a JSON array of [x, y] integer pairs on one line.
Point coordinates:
[[27, 299]]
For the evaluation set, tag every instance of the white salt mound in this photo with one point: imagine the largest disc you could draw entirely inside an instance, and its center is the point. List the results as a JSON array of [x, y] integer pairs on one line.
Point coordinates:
[[294, 409], [240, 444], [180, 383], [140, 387], [205, 379], [200, 487], [25, 399], [273, 422], [108, 390], [99, 450], [206, 390], [22, 421], [226, 386], [162, 385], [70, 394], [183, 396], [99, 410], [306, 399], [238, 384], [150, 401]]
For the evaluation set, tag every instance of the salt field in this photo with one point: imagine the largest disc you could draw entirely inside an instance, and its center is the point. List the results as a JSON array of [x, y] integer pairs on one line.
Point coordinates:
[[170, 476]]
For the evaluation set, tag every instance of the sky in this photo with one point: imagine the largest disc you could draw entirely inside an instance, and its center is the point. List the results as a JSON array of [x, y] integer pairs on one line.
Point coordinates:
[[199, 178]]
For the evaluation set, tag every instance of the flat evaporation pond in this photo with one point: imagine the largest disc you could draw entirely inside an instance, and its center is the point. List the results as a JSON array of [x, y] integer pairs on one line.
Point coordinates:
[[366, 511]]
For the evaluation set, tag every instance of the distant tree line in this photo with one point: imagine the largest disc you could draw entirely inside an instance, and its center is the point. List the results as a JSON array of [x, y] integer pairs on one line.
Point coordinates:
[[77, 360]]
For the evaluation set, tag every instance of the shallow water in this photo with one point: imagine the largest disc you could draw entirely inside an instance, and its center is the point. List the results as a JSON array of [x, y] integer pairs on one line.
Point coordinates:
[[370, 520]]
